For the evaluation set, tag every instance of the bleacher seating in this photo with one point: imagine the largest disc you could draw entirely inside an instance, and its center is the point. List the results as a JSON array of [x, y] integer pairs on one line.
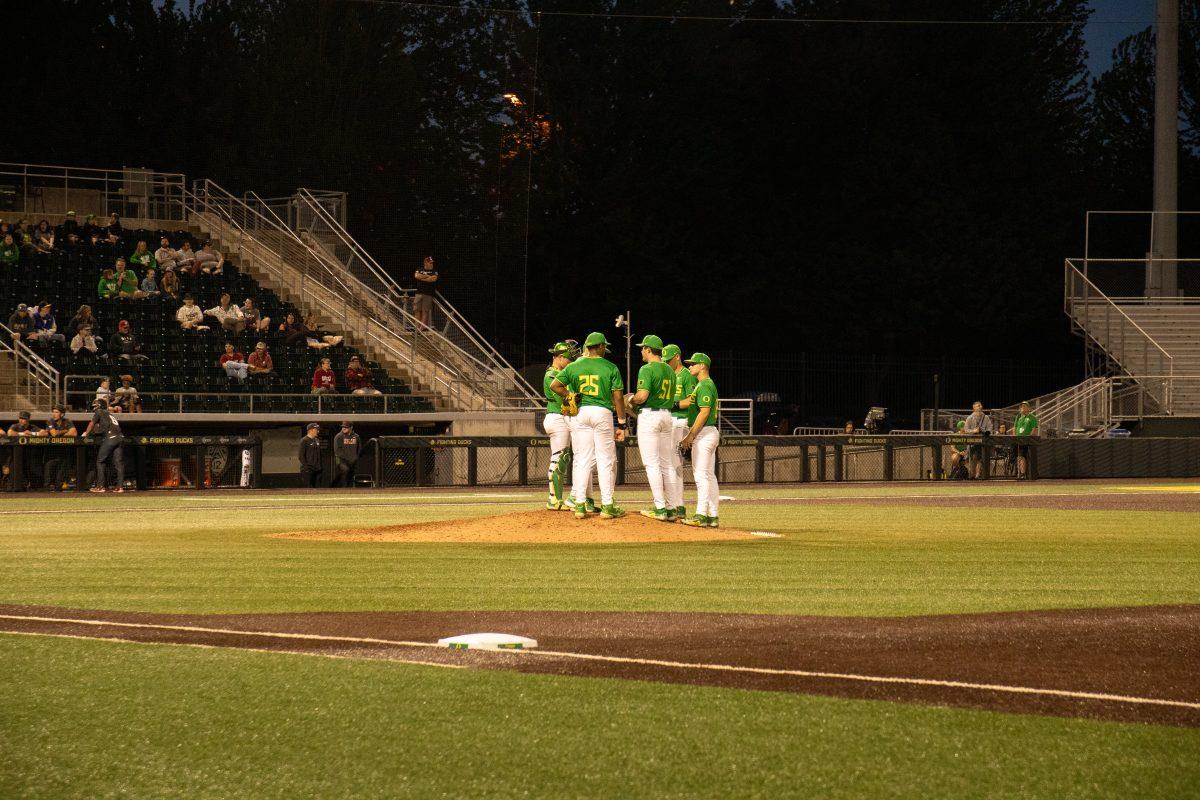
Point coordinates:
[[184, 362]]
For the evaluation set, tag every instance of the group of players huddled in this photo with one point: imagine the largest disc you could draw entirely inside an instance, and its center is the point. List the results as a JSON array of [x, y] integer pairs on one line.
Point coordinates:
[[676, 408]]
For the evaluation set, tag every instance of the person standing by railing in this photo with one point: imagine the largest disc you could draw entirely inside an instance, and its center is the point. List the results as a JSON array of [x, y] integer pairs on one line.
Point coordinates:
[[978, 424], [1024, 426], [427, 278], [105, 424]]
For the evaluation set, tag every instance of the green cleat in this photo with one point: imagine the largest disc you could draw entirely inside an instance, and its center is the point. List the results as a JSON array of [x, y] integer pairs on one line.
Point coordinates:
[[554, 505], [712, 522], [580, 510], [611, 511], [680, 513], [660, 514], [590, 506], [696, 521]]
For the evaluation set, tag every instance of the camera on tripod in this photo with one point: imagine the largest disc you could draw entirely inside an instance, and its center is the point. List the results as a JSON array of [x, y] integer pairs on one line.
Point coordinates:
[[877, 421]]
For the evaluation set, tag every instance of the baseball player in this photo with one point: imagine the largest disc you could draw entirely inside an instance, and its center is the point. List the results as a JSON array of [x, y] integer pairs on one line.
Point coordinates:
[[702, 438], [557, 427], [685, 381], [592, 390], [654, 396]]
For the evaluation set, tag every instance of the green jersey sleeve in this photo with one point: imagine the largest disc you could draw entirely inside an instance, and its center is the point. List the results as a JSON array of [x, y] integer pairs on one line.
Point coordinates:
[[553, 401]]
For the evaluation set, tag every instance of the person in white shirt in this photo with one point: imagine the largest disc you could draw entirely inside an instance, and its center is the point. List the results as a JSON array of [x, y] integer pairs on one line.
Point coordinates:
[[209, 260], [185, 259], [190, 316], [228, 315], [166, 256]]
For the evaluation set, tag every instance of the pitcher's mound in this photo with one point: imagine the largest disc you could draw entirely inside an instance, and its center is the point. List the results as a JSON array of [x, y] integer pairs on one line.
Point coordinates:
[[530, 527]]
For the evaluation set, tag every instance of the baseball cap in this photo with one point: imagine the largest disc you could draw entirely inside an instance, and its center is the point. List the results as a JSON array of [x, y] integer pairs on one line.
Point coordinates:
[[594, 338], [346, 424], [651, 341], [960, 425], [22, 307], [260, 346], [24, 415], [70, 213], [699, 358], [123, 323], [560, 349], [313, 426], [670, 351]]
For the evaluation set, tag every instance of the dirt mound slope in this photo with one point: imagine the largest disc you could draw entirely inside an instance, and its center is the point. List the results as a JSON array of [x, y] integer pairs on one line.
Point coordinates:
[[530, 527]]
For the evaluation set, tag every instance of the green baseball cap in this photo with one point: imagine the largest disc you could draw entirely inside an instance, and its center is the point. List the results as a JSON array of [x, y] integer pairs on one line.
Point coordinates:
[[651, 341], [699, 358], [560, 349], [594, 338], [670, 351], [960, 425]]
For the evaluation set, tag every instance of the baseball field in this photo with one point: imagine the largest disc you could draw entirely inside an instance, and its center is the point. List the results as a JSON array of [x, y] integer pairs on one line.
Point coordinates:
[[909, 640]]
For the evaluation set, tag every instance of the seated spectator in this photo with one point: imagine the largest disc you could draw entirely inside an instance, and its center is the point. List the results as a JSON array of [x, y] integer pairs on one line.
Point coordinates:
[[45, 327], [91, 232], [108, 287], [149, 285], [296, 333], [45, 237], [255, 321], [125, 346], [170, 284], [323, 381], [127, 281], [82, 317], [23, 235], [57, 471], [115, 232], [103, 392], [23, 427], [68, 232], [10, 253], [142, 256], [316, 336], [228, 315], [165, 256], [234, 362], [126, 396], [5, 229], [21, 323], [958, 457], [209, 261], [359, 379], [185, 259], [190, 316], [84, 344], [260, 362]]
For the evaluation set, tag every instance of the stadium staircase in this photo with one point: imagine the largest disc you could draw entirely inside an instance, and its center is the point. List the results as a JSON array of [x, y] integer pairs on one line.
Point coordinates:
[[320, 267]]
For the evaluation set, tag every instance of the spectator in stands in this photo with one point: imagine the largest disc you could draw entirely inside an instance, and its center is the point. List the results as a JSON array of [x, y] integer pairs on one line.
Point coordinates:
[[848, 429], [234, 362], [310, 457], [126, 396], [23, 427], [44, 236], [978, 423], [190, 316], [359, 379], [127, 281], [228, 315], [260, 362], [125, 346], [68, 231], [115, 232], [296, 333], [958, 456], [45, 327], [56, 472], [24, 237], [10, 253], [91, 232], [427, 277], [104, 392], [165, 256], [84, 345], [317, 338], [82, 317], [209, 261], [21, 323], [323, 380], [149, 284], [255, 321], [170, 284], [142, 256], [106, 425], [185, 259], [345, 454], [1024, 426], [108, 287]]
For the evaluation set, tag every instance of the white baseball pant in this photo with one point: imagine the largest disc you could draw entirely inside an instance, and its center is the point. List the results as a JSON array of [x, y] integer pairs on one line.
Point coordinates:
[[654, 444], [674, 477], [704, 469], [559, 431], [594, 446]]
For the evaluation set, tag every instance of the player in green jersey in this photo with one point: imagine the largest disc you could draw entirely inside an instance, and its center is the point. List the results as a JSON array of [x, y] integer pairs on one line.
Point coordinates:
[[703, 438], [655, 395], [596, 383], [684, 383], [557, 426]]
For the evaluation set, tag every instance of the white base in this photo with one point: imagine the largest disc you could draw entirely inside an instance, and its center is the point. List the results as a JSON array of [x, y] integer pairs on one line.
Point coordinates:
[[488, 641]]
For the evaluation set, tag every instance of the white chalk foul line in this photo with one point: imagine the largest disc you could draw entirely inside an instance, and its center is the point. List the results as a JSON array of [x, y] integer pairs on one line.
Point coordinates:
[[238, 509], [653, 662]]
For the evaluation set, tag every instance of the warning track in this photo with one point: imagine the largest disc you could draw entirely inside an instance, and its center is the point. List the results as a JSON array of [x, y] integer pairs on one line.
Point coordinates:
[[1135, 664]]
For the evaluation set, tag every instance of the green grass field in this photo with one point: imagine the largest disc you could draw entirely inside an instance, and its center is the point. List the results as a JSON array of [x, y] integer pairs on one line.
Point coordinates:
[[99, 719]]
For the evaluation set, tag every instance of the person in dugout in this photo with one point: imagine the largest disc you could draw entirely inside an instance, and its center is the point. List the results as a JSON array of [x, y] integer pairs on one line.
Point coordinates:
[[310, 457]]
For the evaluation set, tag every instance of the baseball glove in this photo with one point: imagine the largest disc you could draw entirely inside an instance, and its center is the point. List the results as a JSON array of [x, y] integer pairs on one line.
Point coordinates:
[[570, 405], [685, 453]]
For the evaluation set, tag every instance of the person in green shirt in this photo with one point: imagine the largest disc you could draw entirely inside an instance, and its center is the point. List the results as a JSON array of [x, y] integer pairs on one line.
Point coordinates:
[[557, 426], [595, 383], [654, 396], [10, 253], [1025, 425], [685, 381], [127, 281], [142, 256], [108, 286], [703, 438]]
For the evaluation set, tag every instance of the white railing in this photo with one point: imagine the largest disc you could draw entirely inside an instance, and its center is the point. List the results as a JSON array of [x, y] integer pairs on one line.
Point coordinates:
[[735, 416], [55, 189], [33, 377]]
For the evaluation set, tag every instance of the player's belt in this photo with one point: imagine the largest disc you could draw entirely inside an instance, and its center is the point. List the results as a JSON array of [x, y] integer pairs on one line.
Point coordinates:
[[659, 410]]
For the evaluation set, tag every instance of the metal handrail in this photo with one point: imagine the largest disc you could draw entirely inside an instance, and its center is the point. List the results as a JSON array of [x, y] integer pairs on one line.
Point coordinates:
[[251, 397], [171, 183], [1108, 300], [36, 369]]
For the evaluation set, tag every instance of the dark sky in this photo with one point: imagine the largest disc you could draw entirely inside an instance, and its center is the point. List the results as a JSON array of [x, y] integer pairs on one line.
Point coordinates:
[[1111, 22]]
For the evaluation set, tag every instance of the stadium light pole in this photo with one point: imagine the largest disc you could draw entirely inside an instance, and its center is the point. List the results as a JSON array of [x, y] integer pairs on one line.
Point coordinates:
[[623, 321], [1162, 271]]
